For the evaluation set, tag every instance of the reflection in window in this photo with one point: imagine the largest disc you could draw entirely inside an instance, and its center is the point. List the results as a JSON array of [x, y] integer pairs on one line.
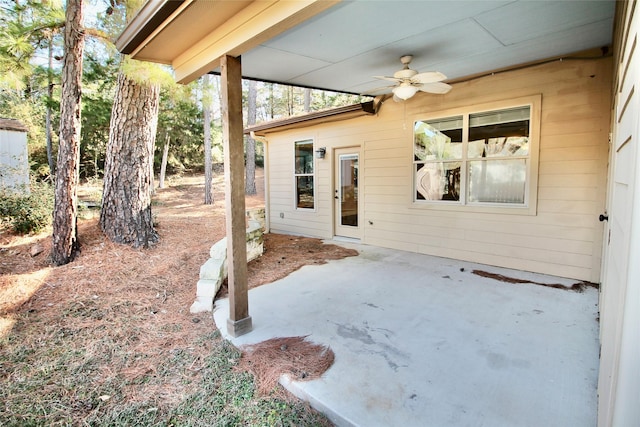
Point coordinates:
[[304, 174], [437, 158], [500, 142], [349, 190], [438, 181], [486, 163]]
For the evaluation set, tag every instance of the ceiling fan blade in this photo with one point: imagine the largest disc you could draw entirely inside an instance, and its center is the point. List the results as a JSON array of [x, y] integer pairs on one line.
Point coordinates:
[[435, 87], [378, 91], [428, 77], [390, 79]]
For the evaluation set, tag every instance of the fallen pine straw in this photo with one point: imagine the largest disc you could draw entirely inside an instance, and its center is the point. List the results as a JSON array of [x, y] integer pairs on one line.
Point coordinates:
[[109, 340], [576, 287], [284, 254], [302, 360]]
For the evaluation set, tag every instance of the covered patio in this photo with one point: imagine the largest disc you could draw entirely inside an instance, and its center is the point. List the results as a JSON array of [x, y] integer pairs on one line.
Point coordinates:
[[341, 46], [427, 341]]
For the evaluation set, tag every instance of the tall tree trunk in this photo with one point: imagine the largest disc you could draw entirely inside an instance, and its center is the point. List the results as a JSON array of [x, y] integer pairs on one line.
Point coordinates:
[[52, 167], [128, 172], [163, 164], [65, 213], [250, 167], [207, 98], [271, 102], [307, 100], [290, 100]]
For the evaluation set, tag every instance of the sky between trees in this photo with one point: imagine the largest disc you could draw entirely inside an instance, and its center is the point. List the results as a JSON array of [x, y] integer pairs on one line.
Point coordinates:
[[30, 61]]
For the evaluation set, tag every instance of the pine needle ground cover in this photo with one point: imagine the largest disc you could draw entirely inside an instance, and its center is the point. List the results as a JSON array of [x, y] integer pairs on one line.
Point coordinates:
[[109, 339]]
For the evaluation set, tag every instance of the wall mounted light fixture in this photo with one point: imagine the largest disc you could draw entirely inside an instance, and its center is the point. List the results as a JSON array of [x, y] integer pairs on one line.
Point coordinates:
[[320, 152]]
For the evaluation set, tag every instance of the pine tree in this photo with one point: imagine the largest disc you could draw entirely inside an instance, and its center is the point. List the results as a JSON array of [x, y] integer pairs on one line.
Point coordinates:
[[128, 172], [65, 215], [250, 167]]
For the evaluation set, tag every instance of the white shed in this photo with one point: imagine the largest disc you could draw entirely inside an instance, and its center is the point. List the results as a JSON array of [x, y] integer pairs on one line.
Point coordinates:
[[14, 157]]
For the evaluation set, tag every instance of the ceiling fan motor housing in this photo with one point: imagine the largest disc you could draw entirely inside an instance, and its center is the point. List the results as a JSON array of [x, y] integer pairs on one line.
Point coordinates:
[[406, 59], [405, 74]]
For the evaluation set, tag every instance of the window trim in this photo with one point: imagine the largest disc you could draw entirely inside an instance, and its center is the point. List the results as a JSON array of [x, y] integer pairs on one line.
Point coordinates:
[[313, 175], [531, 184]]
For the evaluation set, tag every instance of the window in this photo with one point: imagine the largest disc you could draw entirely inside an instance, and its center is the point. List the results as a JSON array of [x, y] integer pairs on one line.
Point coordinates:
[[304, 174], [474, 158]]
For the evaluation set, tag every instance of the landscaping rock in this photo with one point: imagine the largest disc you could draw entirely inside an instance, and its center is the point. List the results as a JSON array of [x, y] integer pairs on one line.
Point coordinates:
[[214, 270], [36, 250]]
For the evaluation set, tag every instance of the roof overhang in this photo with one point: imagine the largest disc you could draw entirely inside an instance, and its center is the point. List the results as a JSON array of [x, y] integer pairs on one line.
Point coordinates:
[[149, 18], [341, 45], [12, 125], [192, 36], [317, 117]]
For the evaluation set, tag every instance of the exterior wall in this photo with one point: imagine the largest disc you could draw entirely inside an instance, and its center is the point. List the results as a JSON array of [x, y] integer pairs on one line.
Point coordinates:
[[560, 236], [619, 376], [14, 162]]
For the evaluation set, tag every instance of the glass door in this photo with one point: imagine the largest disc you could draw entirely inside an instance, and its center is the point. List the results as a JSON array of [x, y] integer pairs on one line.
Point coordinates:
[[346, 193]]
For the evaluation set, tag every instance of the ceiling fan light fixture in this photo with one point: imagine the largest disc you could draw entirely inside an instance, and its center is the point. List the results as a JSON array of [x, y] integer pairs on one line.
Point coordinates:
[[405, 91], [408, 82]]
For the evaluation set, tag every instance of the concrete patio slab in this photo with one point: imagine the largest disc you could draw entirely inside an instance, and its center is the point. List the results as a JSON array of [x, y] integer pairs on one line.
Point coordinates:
[[423, 341]]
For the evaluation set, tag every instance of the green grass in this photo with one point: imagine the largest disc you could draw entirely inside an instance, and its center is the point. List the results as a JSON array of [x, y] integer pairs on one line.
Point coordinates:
[[60, 374], [108, 341]]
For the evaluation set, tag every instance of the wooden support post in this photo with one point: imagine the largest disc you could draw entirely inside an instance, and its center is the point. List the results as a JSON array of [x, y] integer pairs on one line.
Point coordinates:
[[239, 321]]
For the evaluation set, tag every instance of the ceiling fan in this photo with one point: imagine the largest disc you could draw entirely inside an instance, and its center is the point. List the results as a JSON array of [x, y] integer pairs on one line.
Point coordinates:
[[408, 82]]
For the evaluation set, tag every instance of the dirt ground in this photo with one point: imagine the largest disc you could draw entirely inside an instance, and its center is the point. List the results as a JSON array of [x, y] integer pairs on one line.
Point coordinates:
[[141, 297], [187, 229]]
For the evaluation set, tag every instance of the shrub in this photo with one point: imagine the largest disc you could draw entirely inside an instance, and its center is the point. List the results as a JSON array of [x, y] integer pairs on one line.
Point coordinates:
[[28, 213]]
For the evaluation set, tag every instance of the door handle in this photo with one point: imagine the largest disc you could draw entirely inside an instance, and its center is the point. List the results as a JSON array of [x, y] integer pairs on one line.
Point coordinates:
[[336, 197], [603, 217]]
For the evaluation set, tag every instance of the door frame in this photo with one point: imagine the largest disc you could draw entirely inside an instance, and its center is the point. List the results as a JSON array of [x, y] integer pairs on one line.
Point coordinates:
[[341, 231]]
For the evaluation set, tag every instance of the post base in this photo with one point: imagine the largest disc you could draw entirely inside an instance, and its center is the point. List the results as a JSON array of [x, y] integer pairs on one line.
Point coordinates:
[[235, 328]]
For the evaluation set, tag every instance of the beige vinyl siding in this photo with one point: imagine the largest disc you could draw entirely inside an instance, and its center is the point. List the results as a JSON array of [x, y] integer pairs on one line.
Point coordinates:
[[308, 222], [559, 235]]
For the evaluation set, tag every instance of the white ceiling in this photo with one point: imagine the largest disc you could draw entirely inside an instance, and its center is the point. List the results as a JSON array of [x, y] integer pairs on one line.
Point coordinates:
[[343, 47]]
